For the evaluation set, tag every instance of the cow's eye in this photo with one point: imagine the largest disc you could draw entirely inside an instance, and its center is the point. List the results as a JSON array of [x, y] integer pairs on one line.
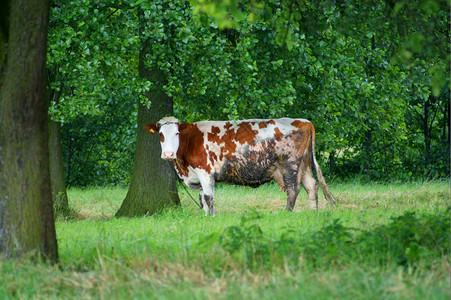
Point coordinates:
[[177, 133]]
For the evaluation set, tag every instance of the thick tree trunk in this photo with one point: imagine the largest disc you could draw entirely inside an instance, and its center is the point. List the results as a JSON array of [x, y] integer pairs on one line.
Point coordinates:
[[26, 214], [153, 183], [57, 179]]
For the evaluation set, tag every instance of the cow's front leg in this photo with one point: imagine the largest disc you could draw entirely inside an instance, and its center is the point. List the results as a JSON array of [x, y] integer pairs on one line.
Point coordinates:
[[208, 195], [203, 202]]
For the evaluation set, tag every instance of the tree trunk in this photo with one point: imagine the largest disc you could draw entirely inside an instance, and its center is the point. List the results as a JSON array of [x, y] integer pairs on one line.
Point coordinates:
[[69, 156], [26, 216], [427, 141], [367, 146], [332, 163], [446, 134], [57, 179], [153, 182]]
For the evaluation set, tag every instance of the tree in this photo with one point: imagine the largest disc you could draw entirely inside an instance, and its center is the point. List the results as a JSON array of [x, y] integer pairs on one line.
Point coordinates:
[[365, 72], [153, 182], [92, 63], [57, 178], [356, 60], [26, 214], [94, 83]]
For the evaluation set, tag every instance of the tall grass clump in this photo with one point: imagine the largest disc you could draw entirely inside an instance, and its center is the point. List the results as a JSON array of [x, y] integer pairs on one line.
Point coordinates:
[[408, 240]]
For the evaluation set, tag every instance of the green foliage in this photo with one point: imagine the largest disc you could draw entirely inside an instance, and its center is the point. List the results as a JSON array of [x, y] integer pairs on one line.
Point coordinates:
[[246, 244], [98, 150], [92, 57], [93, 77], [353, 69], [366, 74], [226, 14], [408, 240]]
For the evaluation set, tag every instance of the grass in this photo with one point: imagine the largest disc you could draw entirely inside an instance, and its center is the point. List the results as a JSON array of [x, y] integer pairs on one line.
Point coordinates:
[[252, 249]]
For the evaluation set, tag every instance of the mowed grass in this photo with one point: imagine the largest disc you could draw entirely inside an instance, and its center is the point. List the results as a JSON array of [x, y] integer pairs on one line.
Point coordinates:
[[181, 254]]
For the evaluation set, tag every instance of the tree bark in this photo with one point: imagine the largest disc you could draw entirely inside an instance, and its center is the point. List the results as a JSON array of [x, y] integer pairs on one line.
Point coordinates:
[[69, 156], [446, 134], [57, 179], [26, 216], [153, 182], [367, 145], [427, 142], [332, 162]]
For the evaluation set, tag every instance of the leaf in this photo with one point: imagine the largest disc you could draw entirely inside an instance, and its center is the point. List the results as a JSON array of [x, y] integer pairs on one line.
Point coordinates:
[[398, 6]]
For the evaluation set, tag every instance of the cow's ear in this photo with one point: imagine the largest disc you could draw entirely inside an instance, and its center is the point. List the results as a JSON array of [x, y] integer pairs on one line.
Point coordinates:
[[152, 128]]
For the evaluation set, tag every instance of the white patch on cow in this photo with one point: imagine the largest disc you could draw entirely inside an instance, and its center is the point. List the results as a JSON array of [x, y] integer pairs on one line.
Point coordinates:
[[192, 179], [266, 133], [255, 127], [218, 165], [168, 120]]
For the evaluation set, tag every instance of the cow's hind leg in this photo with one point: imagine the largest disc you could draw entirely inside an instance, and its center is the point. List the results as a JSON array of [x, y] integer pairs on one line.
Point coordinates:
[[291, 186], [310, 185]]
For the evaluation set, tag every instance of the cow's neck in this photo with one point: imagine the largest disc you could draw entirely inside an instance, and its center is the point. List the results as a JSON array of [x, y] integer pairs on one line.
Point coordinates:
[[180, 163]]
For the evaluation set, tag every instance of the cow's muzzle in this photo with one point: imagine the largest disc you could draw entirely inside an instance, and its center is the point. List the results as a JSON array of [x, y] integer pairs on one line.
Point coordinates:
[[168, 155]]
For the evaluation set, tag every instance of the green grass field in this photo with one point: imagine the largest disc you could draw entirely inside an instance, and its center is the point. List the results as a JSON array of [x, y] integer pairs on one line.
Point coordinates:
[[383, 241]]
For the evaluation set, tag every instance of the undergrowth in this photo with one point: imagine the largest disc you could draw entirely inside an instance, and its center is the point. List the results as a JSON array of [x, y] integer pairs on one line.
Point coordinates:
[[410, 240]]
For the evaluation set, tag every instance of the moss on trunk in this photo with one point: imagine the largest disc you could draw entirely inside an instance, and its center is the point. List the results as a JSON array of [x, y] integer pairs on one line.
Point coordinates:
[[57, 179]]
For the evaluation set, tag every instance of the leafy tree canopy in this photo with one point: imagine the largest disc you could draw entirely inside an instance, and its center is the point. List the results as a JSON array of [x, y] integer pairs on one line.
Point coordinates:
[[371, 75]]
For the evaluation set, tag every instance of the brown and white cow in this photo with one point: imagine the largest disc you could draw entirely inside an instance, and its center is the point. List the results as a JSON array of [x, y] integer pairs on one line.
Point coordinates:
[[248, 152]]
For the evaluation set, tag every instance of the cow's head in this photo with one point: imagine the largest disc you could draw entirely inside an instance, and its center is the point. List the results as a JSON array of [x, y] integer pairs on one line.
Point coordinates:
[[168, 128]]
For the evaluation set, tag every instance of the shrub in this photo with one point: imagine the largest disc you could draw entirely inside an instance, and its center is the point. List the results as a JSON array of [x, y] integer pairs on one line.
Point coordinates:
[[407, 240]]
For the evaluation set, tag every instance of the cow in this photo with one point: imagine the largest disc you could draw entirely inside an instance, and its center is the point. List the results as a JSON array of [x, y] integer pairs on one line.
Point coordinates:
[[246, 152]]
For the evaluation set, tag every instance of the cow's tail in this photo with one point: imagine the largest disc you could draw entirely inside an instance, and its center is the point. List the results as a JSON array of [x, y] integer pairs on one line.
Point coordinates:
[[330, 199]]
